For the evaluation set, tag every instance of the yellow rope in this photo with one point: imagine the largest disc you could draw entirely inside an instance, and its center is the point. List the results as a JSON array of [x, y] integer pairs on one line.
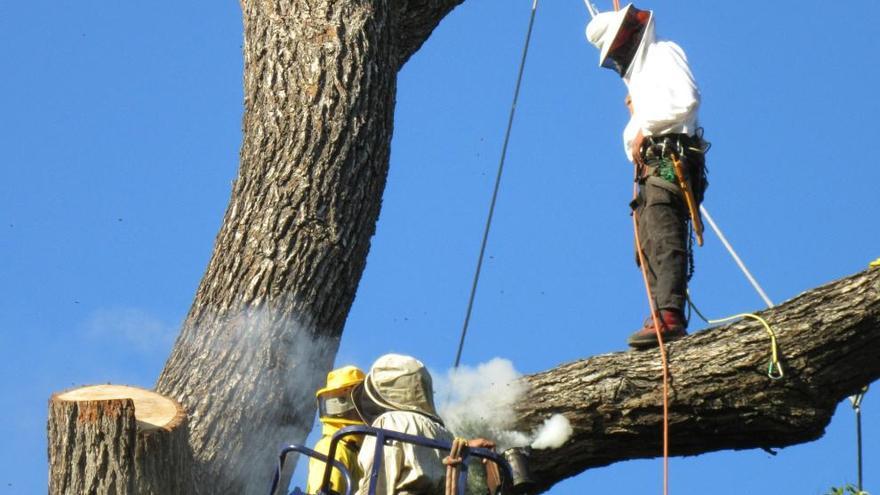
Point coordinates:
[[875, 263], [774, 370]]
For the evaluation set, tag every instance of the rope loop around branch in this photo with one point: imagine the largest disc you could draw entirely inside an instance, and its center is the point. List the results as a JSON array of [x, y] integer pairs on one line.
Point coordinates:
[[775, 371]]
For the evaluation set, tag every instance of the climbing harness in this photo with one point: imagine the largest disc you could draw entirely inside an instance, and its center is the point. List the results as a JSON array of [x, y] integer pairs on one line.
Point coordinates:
[[857, 409], [470, 305]]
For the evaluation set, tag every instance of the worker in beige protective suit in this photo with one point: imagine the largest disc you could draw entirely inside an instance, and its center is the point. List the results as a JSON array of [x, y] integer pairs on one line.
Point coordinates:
[[397, 395]]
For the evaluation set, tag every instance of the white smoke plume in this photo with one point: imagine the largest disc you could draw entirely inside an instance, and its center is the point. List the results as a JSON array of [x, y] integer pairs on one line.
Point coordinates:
[[480, 402], [553, 434], [132, 327], [264, 358]]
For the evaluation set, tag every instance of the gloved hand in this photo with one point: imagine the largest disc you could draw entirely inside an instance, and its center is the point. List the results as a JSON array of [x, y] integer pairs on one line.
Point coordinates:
[[636, 148], [481, 443]]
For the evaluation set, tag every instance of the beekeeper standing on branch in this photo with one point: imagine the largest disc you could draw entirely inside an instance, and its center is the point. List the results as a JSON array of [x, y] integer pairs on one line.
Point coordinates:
[[663, 100]]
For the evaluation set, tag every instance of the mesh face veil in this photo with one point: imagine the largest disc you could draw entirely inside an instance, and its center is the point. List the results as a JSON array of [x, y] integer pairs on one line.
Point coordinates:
[[627, 40], [367, 410], [338, 407], [619, 35]]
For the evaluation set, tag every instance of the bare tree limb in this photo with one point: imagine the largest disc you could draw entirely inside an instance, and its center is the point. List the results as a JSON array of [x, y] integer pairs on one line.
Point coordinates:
[[415, 20], [720, 397], [320, 83]]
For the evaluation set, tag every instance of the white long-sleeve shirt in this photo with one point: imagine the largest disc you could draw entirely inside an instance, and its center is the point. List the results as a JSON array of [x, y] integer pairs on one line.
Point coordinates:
[[664, 94]]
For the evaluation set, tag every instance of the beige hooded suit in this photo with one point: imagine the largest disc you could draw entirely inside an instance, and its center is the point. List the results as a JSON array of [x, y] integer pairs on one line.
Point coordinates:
[[402, 385]]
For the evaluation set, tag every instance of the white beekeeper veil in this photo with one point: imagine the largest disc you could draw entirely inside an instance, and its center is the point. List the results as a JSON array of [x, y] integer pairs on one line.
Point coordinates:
[[401, 383], [621, 36]]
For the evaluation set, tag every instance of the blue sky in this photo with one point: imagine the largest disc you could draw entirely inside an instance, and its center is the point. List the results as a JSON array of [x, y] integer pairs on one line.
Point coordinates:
[[120, 137]]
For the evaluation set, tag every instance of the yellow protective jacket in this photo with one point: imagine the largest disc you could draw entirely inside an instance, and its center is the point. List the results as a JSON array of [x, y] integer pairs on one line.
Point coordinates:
[[346, 454]]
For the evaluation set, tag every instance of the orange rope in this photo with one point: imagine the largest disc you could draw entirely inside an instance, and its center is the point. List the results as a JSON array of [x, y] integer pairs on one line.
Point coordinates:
[[654, 317], [616, 4]]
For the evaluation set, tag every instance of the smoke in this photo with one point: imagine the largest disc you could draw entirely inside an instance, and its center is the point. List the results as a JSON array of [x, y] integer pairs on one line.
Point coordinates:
[[481, 402], [257, 376], [134, 328], [553, 434]]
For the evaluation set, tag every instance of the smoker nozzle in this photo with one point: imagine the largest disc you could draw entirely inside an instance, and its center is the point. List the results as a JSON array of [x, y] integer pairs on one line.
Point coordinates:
[[518, 459]]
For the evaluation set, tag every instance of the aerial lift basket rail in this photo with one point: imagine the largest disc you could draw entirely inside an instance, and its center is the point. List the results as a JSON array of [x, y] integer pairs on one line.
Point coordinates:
[[507, 486]]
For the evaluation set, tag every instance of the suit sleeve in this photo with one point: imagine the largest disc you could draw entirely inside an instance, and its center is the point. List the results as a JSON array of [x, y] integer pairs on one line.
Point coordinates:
[[669, 96]]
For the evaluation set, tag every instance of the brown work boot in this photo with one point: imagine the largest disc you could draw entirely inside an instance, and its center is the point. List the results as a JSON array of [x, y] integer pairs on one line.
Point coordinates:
[[672, 327]]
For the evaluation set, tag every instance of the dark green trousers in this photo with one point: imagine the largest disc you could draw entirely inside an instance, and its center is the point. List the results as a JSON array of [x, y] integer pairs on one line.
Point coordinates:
[[663, 232]]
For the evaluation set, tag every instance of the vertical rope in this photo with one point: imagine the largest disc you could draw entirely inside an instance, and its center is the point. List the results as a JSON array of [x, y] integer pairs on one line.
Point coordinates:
[[470, 306], [656, 320], [857, 409], [859, 444]]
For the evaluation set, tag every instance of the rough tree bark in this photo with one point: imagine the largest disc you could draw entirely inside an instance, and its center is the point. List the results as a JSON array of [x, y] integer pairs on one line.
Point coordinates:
[[111, 439], [720, 395], [320, 82]]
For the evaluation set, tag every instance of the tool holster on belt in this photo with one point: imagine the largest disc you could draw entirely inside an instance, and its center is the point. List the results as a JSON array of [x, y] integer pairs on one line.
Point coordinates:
[[658, 152], [656, 149], [677, 163]]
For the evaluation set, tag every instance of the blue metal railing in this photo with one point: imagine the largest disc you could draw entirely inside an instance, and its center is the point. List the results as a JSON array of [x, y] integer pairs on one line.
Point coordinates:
[[378, 456], [346, 476]]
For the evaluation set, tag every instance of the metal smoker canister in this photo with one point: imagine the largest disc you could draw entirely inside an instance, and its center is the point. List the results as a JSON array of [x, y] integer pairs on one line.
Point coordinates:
[[518, 459]]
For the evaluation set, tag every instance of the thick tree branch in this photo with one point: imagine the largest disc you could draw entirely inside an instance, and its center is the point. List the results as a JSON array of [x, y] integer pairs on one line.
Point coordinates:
[[720, 397], [415, 20], [320, 84]]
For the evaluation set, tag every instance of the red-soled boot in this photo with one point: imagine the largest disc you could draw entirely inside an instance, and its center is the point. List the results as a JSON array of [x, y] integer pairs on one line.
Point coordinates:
[[672, 327]]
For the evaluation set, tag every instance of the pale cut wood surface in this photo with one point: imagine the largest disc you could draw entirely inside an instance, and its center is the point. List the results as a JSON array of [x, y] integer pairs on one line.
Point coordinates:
[[116, 439], [151, 410]]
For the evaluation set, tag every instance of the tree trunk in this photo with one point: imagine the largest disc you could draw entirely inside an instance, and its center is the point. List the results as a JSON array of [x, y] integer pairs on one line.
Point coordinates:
[[320, 81], [720, 394], [109, 439]]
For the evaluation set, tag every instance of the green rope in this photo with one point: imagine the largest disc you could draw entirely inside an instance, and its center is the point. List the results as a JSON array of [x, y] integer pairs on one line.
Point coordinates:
[[774, 367]]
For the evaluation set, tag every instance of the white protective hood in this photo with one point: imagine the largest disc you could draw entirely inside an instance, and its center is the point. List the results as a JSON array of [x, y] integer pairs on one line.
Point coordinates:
[[604, 28], [664, 95]]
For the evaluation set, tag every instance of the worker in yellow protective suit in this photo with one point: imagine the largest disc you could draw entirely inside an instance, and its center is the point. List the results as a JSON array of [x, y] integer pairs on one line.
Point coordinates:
[[336, 410]]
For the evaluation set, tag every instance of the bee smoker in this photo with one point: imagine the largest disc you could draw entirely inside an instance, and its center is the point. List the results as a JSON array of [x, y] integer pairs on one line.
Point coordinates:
[[518, 459]]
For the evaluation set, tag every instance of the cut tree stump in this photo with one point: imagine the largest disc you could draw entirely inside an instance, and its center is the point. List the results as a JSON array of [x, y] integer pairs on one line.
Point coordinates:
[[115, 439]]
